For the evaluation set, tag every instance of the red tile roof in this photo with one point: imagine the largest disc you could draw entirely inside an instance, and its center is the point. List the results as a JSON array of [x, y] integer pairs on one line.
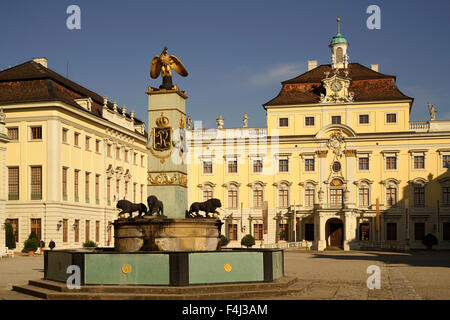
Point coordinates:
[[32, 82], [367, 85]]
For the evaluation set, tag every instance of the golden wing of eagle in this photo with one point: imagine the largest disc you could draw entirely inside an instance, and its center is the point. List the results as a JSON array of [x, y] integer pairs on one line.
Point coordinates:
[[176, 65], [155, 68]]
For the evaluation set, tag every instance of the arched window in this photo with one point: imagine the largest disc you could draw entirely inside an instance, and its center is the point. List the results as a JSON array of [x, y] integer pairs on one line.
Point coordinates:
[[283, 195], [364, 192], [232, 195], [418, 187], [309, 193], [445, 192], [207, 190], [339, 55], [391, 187], [258, 195], [336, 193]]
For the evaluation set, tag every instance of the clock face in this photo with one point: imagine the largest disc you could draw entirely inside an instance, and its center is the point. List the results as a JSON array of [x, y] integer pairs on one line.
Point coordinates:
[[336, 85]]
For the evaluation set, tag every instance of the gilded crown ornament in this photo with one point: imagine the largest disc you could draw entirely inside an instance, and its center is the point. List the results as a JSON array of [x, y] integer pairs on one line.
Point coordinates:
[[162, 121]]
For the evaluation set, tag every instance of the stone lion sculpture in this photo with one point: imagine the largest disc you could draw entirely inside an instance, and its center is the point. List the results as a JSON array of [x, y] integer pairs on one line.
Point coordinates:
[[155, 206], [129, 207], [209, 206]]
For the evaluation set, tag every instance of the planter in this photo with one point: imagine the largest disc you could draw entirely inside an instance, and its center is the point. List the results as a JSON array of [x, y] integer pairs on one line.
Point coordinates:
[[30, 253]]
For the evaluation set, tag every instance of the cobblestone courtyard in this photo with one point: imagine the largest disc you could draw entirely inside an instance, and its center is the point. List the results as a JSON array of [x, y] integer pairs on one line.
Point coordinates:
[[323, 275]]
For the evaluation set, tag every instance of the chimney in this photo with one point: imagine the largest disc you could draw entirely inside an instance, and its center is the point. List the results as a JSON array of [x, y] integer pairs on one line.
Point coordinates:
[[312, 64], [374, 67], [41, 61]]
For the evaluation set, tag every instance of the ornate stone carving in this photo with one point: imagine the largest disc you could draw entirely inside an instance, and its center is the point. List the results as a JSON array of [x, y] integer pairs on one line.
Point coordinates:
[[336, 89], [336, 143], [165, 179], [220, 122]]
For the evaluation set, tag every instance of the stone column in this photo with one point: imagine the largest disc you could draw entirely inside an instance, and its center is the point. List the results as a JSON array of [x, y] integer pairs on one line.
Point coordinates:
[[322, 166], [348, 230], [350, 165], [4, 139], [320, 235], [167, 170]]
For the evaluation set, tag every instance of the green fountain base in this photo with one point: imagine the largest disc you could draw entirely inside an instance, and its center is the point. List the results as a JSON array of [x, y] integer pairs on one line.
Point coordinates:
[[104, 266]]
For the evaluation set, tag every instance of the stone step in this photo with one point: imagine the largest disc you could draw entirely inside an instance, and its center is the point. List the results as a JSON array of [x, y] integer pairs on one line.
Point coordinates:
[[54, 291], [54, 295], [280, 284]]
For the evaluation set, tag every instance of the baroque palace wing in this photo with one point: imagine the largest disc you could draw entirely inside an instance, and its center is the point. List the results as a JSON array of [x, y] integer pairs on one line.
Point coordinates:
[[176, 65], [155, 68]]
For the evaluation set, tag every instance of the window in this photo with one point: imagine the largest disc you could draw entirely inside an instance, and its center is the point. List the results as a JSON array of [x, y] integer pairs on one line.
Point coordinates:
[[65, 230], [15, 226], [419, 162], [446, 161], [391, 118], [391, 231], [363, 119], [108, 191], [126, 189], [97, 189], [36, 133], [232, 231], [258, 231], [364, 232], [232, 166], [64, 183], [135, 158], [309, 197], [207, 194], [283, 165], [309, 121], [391, 196], [419, 230], [232, 199], [76, 139], [335, 119], [36, 227], [309, 165], [117, 187], [283, 197], [142, 160], [364, 196], [336, 166], [257, 166], [446, 196], [419, 196], [13, 133], [258, 197], [134, 192], [87, 142], [283, 122], [86, 187], [446, 231], [309, 231], [108, 150], [126, 155], [13, 183], [336, 198], [207, 167], [118, 153], [36, 183], [364, 163], [97, 146], [283, 232], [142, 192], [64, 135], [76, 231], [76, 177], [391, 163], [87, 230], [97, 231]]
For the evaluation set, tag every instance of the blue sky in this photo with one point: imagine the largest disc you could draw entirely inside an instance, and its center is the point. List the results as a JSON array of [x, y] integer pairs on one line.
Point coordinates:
[[236, 52]]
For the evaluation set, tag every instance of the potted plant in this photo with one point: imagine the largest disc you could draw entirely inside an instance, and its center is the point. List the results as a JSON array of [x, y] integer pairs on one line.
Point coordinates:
[[89, 245], [248, 241], [223, 241], [31, 244], [9, 234], [429, 241]]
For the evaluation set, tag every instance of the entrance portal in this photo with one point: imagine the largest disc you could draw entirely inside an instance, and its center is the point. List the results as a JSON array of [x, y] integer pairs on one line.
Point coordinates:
[[335, 233]]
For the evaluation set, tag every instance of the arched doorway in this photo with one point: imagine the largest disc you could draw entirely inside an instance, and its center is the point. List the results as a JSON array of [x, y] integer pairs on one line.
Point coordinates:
[[335, 233]]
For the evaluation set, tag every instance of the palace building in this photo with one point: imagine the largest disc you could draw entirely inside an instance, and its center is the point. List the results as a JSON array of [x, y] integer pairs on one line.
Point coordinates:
[[72, 155], [339, 164]]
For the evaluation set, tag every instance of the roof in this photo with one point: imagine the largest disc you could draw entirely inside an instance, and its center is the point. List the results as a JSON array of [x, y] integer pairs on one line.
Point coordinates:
[[366, 84], [32, 82]]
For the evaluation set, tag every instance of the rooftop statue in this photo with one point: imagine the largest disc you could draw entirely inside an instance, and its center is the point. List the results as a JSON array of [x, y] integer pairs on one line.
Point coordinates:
[[163, 65], [433, 111]]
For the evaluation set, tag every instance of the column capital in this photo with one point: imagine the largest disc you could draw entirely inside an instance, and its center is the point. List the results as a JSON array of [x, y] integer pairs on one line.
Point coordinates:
[[350, 153], [322, 153]]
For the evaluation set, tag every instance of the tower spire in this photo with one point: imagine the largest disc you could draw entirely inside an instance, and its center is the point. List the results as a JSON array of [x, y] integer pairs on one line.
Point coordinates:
[[338, 25]]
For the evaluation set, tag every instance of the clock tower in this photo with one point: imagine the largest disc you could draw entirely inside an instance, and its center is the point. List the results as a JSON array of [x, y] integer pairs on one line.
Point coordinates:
[[338, 46]]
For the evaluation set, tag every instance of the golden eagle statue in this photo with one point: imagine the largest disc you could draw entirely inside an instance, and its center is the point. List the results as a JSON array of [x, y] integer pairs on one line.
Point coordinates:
[[163, 65]]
